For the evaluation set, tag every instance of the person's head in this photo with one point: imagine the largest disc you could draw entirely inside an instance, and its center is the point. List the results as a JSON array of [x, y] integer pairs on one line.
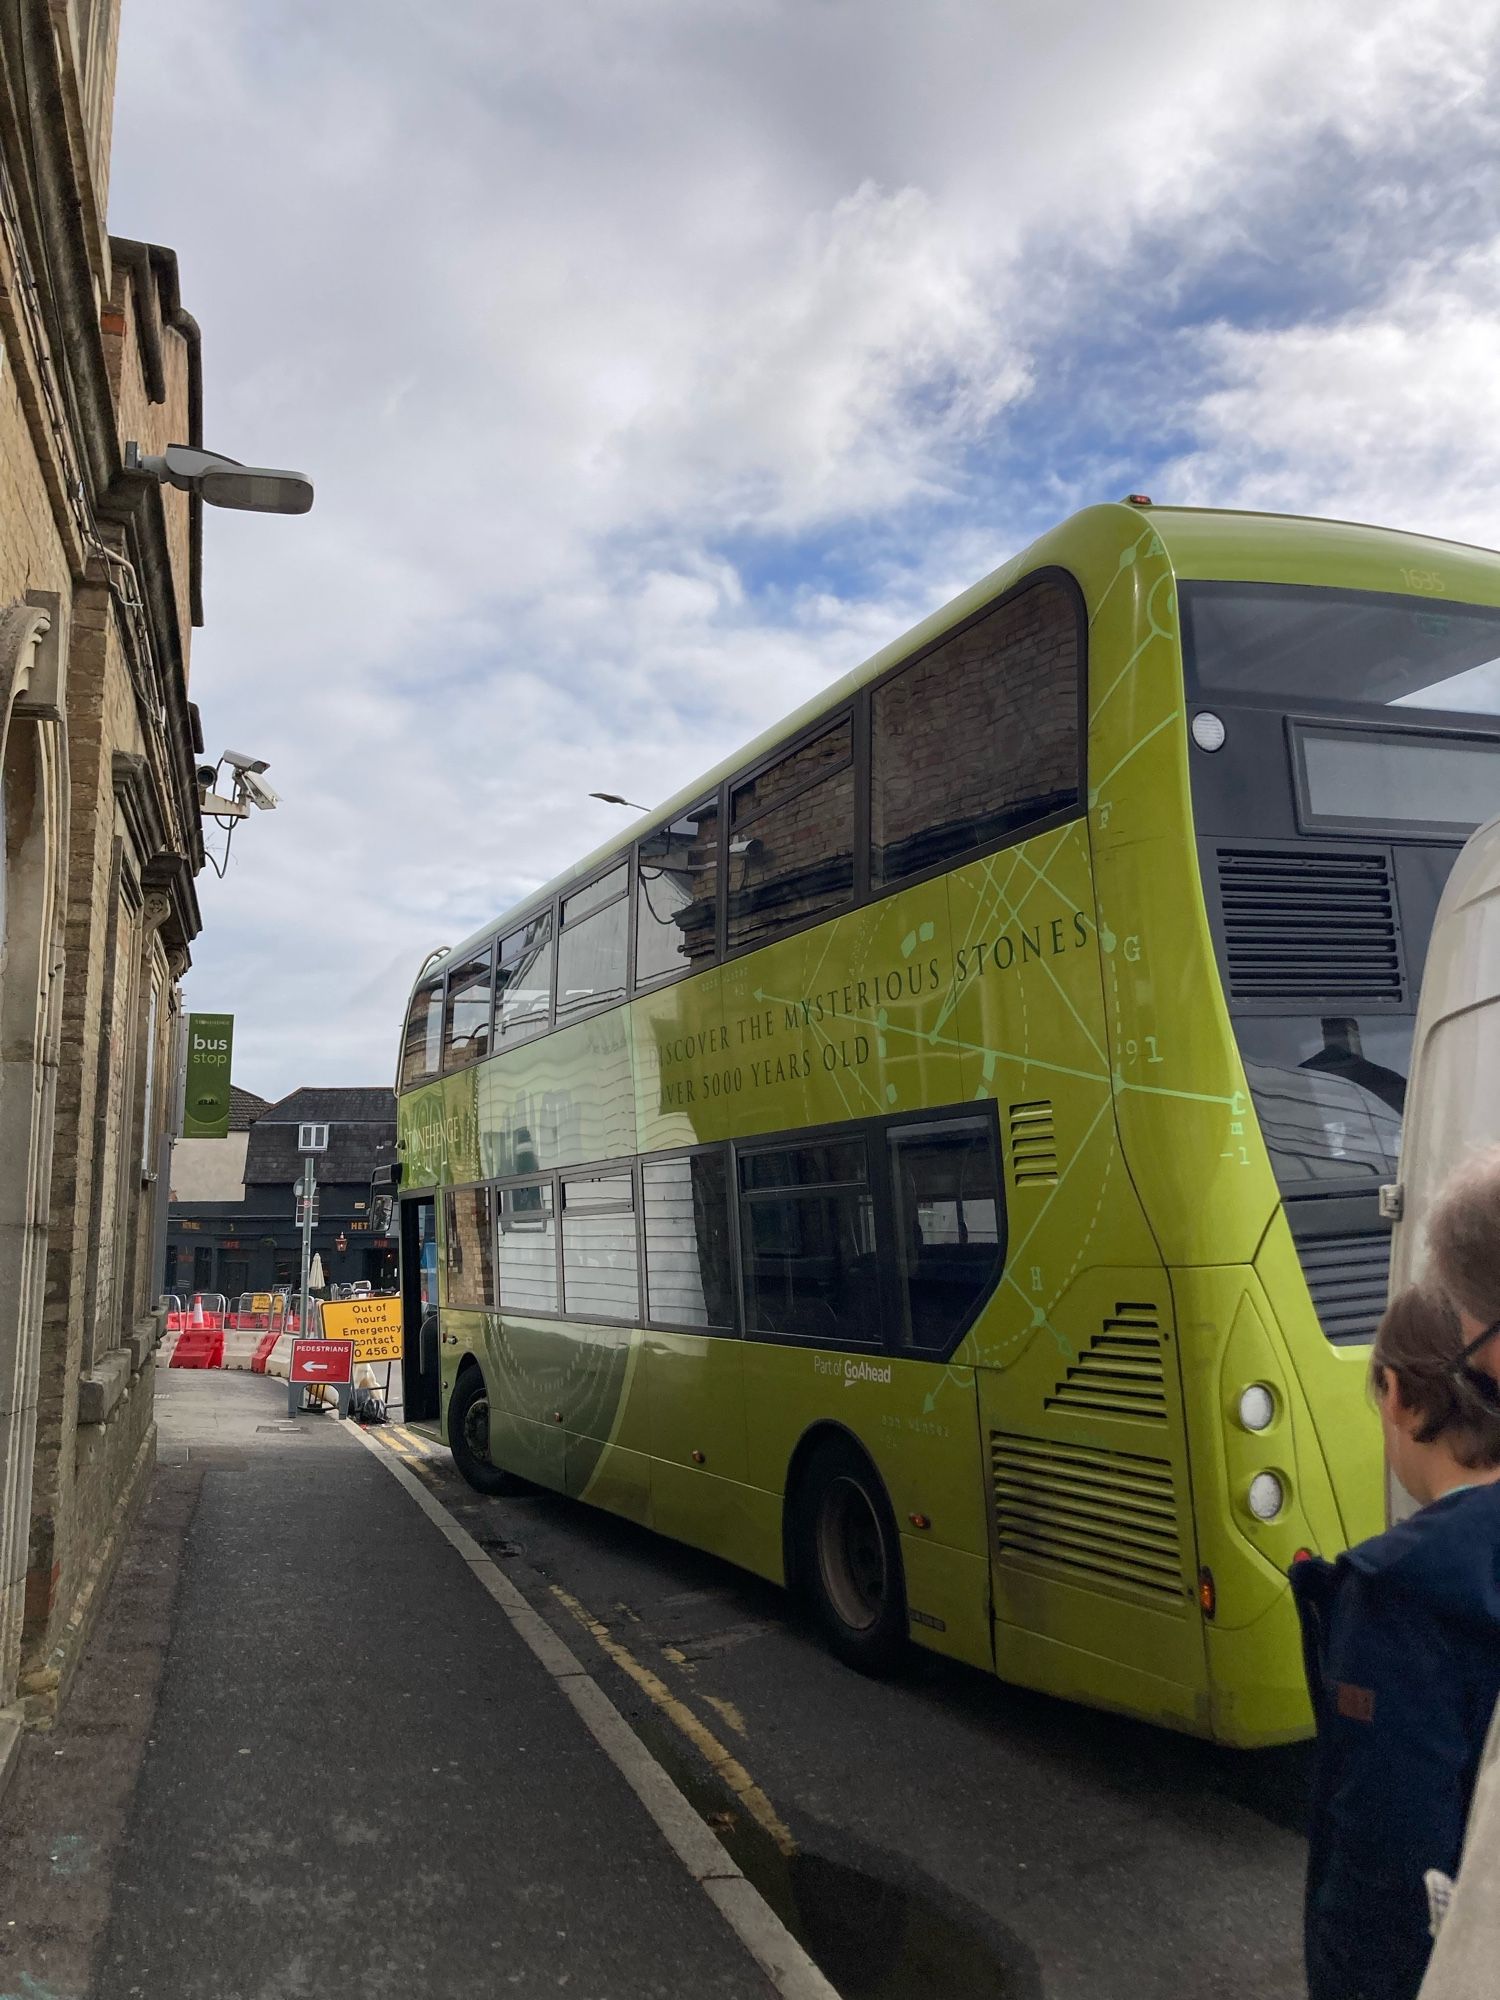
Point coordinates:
[[1440, 1414], [1464, 1233]]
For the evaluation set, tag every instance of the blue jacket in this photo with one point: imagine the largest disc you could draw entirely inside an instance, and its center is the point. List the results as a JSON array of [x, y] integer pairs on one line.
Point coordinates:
[[1402, 1642]]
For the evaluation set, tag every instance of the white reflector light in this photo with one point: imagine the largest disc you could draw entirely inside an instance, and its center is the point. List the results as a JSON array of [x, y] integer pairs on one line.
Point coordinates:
[[1257, 1407], [1208, 730], [1265, 1496]]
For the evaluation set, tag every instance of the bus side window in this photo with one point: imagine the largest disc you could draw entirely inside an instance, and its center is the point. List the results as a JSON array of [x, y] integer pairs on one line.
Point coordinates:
[[689, 1256], [791, 848], [677, 871], [527, 1248], [977, 740], [422, 1047], [523, 983], [466, 1030], [600, 1279], [468, 1248], [807, 1231], [950, 1226], [591, 950]]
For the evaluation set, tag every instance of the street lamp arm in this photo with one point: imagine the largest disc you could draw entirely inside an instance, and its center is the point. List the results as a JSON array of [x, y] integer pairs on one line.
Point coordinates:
[[224, 482]]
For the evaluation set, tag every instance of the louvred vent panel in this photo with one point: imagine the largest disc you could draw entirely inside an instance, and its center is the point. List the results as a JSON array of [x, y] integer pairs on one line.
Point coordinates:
[[1309, 925]]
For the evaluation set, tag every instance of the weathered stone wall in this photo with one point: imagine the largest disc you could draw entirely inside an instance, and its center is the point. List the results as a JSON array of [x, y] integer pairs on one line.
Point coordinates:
[[98, 589]]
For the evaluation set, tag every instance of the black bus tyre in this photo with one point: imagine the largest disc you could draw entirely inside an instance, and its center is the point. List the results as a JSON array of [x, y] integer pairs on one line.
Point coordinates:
[[849, 1559], [468, 1436]]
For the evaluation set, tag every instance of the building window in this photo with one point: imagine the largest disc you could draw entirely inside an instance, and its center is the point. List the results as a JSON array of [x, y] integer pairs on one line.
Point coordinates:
[[523, 985], [689, 1256], [599, 1248], [949, 1231], [978, 739], [424, 1030], [676, 896], [527, 1248], [807, 1233], [791, 848], [591, 950], [468, 1253], [466, 1033]]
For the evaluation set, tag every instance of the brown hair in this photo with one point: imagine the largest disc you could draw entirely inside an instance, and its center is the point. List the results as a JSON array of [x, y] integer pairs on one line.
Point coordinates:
[[1420, 1342], [1464, 1231]]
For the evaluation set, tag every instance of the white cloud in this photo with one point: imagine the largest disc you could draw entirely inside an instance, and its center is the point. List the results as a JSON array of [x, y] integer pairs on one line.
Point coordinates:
[[560, 303], [1391, 414]]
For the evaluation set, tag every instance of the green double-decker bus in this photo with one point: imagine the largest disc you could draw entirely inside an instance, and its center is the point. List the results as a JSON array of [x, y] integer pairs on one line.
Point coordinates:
[[935, 1160]]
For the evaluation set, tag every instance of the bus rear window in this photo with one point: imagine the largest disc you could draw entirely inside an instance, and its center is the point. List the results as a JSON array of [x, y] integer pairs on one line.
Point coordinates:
[[1299, 642]]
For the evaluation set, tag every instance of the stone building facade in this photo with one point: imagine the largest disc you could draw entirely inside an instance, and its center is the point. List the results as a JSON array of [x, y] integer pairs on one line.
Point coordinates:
[[99, 591]]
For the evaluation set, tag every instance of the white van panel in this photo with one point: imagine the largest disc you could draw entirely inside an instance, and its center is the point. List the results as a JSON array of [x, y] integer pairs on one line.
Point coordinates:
[[1453, 1095]]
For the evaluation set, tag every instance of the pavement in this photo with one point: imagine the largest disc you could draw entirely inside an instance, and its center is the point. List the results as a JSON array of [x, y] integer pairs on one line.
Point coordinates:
[[315, 1748], [347, 1726]]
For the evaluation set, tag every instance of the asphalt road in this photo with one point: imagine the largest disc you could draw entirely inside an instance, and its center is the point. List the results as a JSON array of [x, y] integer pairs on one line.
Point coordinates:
[[936, 1834]]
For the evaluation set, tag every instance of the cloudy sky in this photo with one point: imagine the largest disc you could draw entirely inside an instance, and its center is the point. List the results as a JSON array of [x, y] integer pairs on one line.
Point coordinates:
[[657, 360]]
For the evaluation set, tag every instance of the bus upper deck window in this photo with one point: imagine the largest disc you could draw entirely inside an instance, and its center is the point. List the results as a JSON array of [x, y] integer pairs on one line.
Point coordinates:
[[466, 1033], [591, 950], [791, 848], [421, 1050], [677, 870], [523, 982], [979, 739]]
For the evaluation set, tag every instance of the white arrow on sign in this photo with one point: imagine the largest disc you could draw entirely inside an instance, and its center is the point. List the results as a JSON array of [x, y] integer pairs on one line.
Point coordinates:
[[316, 1367]]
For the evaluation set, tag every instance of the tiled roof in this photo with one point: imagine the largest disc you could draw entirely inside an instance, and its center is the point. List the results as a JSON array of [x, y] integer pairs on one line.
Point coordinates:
[[361, 1135], [356, 1106], [244, 1108]]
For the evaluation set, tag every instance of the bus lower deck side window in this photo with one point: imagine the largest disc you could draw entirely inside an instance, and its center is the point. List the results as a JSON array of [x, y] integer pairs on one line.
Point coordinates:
[[689, 1260], [468, 1245], [527, 1248], [600, 1279], [949, 1226], [807, 1242]]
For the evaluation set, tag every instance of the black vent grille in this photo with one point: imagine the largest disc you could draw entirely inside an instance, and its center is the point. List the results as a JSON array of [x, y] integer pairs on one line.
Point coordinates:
[[1348, 1277], [1119, 1373], [1101, 1519], [1033, 1143], [1309, 925]]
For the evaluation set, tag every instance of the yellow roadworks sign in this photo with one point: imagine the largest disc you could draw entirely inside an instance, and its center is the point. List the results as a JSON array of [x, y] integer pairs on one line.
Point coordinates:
[[374, 1325]]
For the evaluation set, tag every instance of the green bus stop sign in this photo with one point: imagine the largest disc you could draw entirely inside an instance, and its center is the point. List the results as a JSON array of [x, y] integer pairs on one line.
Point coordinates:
[[205, 1111]]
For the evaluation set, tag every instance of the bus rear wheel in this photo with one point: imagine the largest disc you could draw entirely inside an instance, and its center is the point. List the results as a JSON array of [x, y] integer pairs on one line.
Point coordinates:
[[849, 1559], [469, 1436]]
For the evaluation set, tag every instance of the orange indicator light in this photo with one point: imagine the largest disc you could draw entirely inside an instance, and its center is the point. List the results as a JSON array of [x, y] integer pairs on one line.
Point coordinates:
[[919, 1520], [1208, 1596]]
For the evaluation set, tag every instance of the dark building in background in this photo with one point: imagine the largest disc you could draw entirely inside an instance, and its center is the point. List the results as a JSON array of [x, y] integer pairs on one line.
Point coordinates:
[[232, 1224]]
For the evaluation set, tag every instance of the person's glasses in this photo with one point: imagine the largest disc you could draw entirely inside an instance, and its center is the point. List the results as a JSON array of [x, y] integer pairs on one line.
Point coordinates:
[[1478, 1379]]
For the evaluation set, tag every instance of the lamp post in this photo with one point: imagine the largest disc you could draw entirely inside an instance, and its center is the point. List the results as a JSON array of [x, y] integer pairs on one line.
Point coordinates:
[[312, 1139], [614, 799]]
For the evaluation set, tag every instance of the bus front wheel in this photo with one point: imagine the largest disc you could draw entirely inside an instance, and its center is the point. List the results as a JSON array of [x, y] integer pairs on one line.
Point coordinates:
[[469, 1435], [849, 1559]]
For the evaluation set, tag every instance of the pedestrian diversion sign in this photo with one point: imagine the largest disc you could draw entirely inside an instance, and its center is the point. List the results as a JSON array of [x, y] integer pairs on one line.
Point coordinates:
[[205, 1104]]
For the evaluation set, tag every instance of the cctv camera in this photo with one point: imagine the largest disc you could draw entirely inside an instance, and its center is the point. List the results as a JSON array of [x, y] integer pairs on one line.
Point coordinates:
[[257, 791], [206, 775], [241, 762]]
